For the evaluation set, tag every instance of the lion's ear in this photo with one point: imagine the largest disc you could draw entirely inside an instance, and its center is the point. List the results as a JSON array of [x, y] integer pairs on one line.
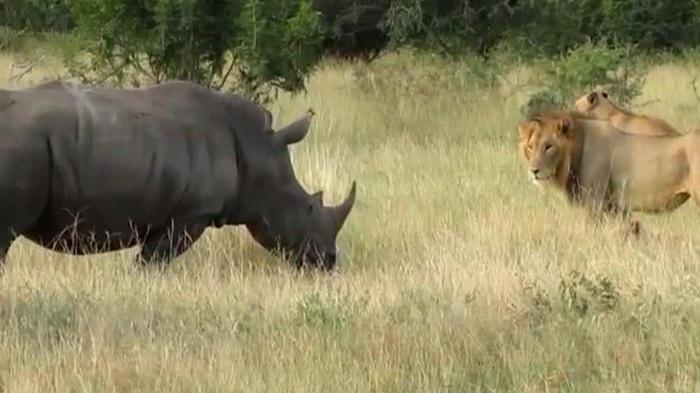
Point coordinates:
[[525, 130], [592, 98], [565, 126]]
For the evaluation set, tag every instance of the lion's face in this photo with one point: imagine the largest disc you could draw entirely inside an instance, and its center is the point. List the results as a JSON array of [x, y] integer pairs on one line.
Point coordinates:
[[593, 104], [546, 146]]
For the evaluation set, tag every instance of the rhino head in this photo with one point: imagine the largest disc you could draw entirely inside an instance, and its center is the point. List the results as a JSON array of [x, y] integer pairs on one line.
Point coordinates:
[[290, 220]]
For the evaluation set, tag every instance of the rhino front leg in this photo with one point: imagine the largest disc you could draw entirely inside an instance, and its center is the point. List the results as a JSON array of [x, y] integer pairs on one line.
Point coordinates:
[[159, 248]]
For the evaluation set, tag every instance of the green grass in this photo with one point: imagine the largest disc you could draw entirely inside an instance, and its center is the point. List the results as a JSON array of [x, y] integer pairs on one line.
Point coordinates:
[[457, 274]]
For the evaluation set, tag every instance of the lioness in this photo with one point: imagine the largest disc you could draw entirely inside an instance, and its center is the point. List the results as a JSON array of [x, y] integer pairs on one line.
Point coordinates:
[[597, 105], [599, 166]]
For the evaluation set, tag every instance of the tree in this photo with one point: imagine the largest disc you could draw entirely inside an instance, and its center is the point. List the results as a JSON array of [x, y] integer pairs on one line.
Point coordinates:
[[263, 44]]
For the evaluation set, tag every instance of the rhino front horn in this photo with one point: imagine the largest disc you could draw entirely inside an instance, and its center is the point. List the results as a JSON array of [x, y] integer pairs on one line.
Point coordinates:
[[340, 213], [296, 131]]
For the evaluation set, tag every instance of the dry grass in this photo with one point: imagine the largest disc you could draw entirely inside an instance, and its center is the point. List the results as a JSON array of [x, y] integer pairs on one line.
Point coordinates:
[[456, 272]]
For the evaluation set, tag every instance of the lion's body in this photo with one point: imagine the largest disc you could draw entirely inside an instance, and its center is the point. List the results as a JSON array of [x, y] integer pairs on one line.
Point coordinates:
[[603, 168], [597, 105]]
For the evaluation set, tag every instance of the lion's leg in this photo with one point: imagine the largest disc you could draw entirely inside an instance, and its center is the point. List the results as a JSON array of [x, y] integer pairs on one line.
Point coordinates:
[[630, 225], [621, 218]]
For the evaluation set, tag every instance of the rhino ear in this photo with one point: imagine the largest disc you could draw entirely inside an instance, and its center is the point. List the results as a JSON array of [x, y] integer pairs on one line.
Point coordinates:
[[294, 132]]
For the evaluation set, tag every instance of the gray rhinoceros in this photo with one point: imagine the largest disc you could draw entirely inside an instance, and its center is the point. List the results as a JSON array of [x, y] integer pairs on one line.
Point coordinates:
[[87, 170]]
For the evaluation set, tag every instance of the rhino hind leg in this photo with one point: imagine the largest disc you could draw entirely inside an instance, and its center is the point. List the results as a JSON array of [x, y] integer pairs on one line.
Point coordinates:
[[159, 248]]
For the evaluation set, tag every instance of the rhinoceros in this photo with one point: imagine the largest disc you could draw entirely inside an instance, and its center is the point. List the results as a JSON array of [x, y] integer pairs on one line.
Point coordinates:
[[87, 170]]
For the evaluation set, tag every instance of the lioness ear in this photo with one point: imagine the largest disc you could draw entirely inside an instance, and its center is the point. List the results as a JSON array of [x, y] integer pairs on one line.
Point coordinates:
[[592, 98], [565, 126]]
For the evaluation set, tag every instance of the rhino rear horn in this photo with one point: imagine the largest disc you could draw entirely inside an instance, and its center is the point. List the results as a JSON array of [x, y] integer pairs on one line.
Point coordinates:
[[340, 213], [294, 132]]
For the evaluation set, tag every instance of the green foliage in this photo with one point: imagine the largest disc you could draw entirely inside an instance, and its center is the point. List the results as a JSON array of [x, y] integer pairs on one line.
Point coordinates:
[[40, 317], [279, 43], [585, 295], [542, 26], [314, 310], [353, 28], [554, 26], [651, 23], [271, 44], [450, 27], [10, 39], [36, 15], [586, 67]]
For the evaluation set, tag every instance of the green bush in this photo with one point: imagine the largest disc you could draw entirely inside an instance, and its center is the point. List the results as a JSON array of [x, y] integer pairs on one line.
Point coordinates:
[[279, 42], [36, 15], [651, 23], [10, 39], [543, 26], [555, 26], [588, 66], [353, 28], [449, 27], [269, 44]]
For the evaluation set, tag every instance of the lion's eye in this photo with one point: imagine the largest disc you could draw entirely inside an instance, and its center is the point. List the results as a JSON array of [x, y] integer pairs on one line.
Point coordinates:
[[548, 148]]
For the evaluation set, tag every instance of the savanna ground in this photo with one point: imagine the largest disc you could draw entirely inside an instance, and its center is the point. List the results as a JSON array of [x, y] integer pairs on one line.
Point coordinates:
[[456, 275]]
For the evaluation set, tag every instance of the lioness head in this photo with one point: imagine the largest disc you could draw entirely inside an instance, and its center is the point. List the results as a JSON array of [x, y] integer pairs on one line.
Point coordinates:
[[546, 147], [595, 104]]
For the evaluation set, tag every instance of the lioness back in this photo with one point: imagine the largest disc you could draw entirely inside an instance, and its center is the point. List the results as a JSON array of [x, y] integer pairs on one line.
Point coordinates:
[[597, 105]]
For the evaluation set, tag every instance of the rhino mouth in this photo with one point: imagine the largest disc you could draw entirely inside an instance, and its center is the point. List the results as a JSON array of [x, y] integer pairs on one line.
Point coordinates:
[[310, 256]]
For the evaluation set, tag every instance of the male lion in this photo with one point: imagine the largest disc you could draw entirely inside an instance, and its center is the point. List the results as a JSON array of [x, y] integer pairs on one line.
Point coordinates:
[[597, 105], [609, 171]]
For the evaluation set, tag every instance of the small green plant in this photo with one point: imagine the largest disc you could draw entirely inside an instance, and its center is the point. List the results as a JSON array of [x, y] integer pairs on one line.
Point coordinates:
[[39, 316], [583, 295], [317, 311]]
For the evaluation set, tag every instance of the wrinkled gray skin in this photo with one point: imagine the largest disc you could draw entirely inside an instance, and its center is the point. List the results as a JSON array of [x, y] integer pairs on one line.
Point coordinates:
[[86, 170]]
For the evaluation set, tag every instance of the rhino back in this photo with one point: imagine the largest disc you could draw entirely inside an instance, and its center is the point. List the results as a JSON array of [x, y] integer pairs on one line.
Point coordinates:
[[125, 159]]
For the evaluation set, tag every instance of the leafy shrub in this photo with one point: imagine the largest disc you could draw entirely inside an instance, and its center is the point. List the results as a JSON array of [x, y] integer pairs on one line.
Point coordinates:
[[554, 26], [584, 295], [279, 42], [449, 27], [270, 44], [10, 39], [353, 28], [318, 311], [36, 15], [650, 23], [591, 65], [542, 26]]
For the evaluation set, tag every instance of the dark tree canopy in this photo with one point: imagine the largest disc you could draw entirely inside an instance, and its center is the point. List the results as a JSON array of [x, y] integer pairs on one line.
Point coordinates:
[[267, 44]]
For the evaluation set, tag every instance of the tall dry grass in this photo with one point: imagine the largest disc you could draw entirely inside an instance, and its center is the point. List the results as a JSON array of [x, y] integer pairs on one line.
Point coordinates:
[[457, 275]]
